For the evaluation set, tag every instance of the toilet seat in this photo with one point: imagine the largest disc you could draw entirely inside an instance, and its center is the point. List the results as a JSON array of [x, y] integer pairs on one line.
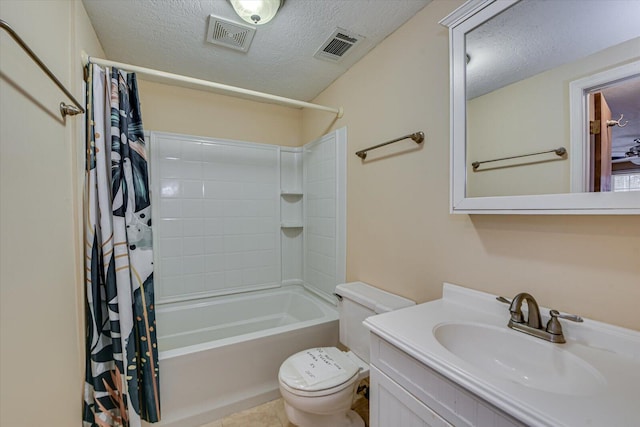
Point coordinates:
[[318, 372], [320, 393]]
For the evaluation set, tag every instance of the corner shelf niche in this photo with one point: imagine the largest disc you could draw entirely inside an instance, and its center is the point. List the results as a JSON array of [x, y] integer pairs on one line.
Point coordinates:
[[291, 215], [291, 205]]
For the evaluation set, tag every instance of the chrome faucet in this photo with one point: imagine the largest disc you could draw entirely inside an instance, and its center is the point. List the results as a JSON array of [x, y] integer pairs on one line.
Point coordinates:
[[533, 325]]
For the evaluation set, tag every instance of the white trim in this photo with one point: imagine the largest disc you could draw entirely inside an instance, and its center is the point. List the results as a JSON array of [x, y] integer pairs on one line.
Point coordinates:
[[623, 203], [465, 11], [475, 15], [466, 18]]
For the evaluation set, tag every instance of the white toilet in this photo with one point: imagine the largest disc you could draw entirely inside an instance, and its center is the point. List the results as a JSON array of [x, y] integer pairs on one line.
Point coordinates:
[[319, 384]]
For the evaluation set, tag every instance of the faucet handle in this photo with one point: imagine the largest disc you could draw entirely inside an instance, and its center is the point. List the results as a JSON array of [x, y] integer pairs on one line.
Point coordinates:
[[503, 300], [572, 317], [553, 325]]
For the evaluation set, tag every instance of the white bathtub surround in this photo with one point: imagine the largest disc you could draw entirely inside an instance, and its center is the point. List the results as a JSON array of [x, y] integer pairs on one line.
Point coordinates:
[[248, 238], [325, 213], [237, 216], [313, 212], [216, 361], [216, 207], [292, 202], [593, 379]]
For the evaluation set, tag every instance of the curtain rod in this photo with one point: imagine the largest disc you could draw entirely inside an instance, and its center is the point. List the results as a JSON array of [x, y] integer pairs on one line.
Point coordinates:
[[65, 109], [86, 59]]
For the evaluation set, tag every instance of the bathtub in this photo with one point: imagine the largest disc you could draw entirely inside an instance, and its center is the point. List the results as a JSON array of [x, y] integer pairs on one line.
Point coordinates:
[[221, 355]]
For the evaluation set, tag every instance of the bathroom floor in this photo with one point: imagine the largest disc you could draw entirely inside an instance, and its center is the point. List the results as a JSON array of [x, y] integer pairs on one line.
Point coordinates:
[[271, 414]]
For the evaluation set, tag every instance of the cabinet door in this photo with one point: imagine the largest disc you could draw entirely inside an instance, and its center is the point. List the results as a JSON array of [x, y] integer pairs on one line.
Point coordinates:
[[391, 405]]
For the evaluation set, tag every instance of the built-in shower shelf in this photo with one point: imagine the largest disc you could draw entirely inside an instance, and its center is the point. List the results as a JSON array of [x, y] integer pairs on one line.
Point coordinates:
[[296, 193], [291, 225]]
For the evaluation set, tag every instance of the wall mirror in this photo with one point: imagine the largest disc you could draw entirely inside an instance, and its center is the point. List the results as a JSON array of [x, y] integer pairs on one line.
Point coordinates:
[[537, 91]]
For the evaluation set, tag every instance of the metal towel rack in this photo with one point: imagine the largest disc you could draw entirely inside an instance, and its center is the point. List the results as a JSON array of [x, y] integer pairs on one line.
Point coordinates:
[[561, 151], [65, 109], [417, 137]]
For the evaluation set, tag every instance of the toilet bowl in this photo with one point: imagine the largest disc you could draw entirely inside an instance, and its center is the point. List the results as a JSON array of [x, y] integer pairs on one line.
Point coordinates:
[[319, 385]]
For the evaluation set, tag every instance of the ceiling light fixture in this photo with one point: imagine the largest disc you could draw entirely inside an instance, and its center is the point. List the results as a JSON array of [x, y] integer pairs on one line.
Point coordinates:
[[256, 11]]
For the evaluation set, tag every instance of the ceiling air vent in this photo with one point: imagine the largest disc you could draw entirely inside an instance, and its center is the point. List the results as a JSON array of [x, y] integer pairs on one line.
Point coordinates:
[[337, 45], [229, 34]]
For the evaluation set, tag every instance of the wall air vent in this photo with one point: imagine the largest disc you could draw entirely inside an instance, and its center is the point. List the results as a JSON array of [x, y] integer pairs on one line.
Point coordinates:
[[337, 45], [229, 34]]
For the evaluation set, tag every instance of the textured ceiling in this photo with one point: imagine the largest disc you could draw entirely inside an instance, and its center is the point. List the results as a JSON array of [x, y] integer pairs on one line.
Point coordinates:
[[169, 35], [537, 35]]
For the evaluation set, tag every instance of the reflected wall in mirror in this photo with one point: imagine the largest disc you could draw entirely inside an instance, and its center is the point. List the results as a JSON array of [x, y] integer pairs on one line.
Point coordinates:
[[512, 63]]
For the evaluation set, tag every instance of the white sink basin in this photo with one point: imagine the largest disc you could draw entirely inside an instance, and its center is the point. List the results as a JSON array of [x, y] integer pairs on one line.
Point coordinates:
[[519, 358], [592, 380]]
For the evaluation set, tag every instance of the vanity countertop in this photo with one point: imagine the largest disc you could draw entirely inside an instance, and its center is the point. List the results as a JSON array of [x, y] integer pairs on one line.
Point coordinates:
[[591, 380]]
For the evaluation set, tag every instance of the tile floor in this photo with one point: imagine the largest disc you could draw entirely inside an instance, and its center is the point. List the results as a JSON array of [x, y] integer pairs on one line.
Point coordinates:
[[271, 414]]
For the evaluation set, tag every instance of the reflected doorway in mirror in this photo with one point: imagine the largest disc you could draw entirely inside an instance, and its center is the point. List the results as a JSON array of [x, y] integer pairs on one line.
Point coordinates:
[[595, 160]]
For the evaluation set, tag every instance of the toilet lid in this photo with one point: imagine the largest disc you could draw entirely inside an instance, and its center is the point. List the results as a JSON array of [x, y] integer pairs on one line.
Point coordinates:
[[317, 369]]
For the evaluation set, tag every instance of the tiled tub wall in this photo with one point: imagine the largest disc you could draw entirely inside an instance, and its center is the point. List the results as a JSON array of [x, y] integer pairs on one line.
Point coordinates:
[[216, 206], [322, 253]]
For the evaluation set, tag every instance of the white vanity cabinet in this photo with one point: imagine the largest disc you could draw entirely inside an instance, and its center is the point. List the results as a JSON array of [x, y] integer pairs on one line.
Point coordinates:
[[391, 405], [454, 361], [405, 392]]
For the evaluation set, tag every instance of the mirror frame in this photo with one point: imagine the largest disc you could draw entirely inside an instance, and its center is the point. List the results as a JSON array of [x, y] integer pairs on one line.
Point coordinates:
[[460, 22]]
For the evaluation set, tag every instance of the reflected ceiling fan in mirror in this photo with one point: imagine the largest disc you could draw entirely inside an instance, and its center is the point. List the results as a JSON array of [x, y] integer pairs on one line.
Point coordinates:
[[632, 155]]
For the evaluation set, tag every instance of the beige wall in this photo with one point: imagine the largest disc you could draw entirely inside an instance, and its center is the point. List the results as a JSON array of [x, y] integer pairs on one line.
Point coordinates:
[[499, 124], [41, 359], [401, 236], [41, 181], [194, 112]]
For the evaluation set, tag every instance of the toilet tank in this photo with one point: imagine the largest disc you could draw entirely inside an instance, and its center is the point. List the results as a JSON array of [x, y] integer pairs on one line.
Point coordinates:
[[359, 301]]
